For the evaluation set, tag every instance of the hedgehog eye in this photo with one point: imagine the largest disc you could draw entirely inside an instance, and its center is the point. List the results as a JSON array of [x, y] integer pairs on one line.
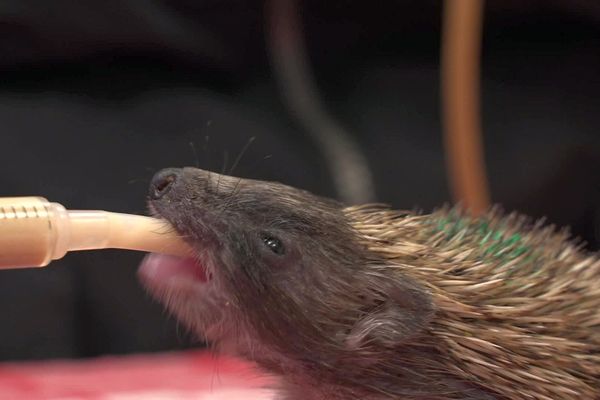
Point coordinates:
[[274, 244]]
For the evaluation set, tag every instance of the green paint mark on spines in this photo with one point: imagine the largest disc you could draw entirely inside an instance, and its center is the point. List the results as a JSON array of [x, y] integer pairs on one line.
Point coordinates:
[[492, 243]]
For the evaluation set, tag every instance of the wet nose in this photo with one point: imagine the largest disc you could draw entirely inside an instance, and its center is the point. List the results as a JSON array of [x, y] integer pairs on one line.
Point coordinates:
[[162, 182]]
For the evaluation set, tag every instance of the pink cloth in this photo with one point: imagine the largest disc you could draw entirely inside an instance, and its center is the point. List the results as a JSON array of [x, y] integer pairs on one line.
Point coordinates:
[[189, 375]]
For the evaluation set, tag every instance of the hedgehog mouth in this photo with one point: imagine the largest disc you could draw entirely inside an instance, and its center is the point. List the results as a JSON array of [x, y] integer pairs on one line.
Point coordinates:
[[167, 274], [161, 269]]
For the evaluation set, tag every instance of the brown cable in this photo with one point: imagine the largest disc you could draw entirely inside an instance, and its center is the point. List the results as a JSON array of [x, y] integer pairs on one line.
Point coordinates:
[[460, 80]]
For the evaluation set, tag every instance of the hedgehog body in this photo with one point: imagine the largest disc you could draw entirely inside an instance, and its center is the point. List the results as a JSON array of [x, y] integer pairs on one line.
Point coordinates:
[[517, 304], [369, 303]]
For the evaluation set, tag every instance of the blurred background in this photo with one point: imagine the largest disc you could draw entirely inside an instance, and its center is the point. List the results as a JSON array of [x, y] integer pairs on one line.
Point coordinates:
[[96, 96]]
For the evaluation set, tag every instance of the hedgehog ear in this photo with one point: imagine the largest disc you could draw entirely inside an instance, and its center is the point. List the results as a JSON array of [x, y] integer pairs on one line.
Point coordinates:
[[403, 310]]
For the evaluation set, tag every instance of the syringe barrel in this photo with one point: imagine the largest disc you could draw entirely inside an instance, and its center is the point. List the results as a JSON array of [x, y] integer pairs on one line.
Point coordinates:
[[28, 234], [34, 232]]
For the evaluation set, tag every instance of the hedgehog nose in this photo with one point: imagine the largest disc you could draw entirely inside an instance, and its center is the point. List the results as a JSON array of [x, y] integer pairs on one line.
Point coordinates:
[[162, 182]]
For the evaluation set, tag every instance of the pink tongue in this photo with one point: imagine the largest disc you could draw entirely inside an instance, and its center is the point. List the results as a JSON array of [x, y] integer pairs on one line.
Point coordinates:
[[161, 268]]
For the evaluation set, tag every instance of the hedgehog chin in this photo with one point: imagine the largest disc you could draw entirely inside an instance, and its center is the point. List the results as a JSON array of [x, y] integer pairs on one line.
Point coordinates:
[[188, 291]]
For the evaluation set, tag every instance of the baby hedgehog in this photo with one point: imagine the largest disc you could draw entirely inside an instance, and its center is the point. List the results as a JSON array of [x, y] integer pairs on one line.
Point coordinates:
[[369, 303]]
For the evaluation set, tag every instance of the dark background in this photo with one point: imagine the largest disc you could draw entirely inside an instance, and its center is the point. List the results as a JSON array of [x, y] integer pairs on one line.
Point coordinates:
[[95, 96]]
